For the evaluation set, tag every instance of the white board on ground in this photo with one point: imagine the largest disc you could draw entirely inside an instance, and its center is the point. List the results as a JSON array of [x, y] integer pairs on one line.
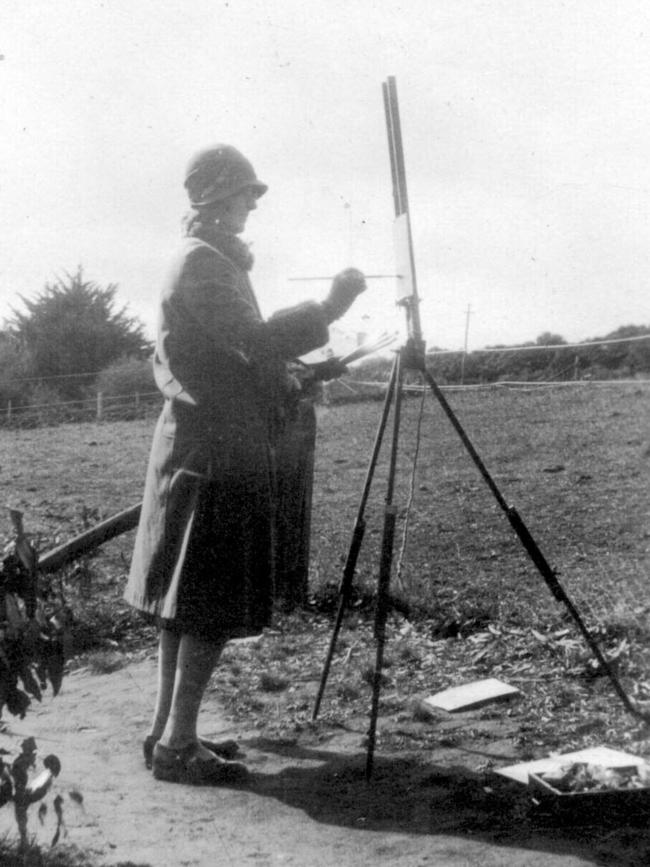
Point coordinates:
[[473, 695]]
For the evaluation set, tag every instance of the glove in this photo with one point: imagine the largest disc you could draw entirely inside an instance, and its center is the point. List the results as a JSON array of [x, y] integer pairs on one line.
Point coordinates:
[[345, 288], [325, 370]]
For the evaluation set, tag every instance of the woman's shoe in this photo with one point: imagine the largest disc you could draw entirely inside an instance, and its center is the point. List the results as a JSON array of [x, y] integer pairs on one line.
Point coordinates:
[[224, 749], [187, 766]]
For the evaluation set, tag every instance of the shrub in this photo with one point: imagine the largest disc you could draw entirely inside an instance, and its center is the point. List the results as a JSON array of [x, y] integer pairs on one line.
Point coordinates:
[[126, 376], [46, 406], [15, 370]]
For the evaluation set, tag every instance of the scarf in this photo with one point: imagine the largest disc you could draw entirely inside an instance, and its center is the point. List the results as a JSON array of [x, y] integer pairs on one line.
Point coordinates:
[[230, 245]]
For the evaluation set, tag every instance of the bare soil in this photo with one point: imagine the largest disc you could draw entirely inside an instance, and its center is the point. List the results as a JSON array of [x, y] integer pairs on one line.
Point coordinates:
[[308, 802]]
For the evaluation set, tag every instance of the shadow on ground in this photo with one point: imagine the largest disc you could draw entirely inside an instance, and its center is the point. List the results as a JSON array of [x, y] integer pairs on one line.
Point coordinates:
[[407, 796]]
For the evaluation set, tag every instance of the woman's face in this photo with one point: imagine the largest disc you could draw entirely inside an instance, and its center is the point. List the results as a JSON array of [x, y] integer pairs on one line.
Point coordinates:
[[234, 210]]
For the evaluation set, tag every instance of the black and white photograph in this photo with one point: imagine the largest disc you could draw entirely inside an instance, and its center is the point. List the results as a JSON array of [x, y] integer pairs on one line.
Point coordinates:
[[325, 433]]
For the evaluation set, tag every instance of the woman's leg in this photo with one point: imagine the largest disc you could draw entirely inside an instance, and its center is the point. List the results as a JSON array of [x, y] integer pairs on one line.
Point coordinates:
[[168, 645], [195, 662]]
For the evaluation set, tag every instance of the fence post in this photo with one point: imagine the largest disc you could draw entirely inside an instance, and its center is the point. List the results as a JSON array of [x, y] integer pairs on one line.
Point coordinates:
[[100, 405], [137, 403], [9, 410]]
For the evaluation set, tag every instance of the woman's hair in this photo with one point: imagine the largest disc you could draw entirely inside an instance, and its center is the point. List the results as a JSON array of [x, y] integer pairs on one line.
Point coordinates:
[[201, 218]]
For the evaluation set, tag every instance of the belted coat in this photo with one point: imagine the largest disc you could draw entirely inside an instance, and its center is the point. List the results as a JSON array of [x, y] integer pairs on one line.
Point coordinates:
[[203, 556]]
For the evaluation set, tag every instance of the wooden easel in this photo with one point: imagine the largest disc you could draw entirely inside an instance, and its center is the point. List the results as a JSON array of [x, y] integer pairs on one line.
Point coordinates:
[[412, 356]]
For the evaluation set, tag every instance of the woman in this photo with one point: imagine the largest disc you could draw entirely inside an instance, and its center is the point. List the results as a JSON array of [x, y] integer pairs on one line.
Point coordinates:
[[202, 562]]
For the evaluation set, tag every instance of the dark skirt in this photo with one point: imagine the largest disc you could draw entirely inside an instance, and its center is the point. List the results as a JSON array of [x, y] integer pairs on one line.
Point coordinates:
[[203, 560], [225, 581]]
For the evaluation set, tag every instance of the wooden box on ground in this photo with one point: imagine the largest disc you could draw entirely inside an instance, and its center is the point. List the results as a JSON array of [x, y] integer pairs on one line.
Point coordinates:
[[611, 806]]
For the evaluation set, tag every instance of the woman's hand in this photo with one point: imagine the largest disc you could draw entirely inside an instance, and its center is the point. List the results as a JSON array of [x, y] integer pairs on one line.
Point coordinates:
[[332, 368], [345, 288]]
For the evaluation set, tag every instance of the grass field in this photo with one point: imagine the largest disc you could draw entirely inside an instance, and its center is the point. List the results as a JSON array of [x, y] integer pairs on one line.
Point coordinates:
[[574, 461]]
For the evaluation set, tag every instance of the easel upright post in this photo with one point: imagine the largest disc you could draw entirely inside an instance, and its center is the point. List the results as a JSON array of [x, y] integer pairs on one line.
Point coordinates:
[[385, 568], [407, 290], [411, 356]]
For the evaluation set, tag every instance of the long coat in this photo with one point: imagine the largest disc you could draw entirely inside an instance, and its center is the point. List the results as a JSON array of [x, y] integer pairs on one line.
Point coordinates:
[[203, 557]]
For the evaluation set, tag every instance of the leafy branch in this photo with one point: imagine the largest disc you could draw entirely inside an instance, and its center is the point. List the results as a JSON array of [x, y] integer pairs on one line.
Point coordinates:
[[33, 636], [34, 628]]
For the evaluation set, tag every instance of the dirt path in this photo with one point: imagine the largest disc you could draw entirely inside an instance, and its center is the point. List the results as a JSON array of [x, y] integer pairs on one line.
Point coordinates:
[[308, 803]]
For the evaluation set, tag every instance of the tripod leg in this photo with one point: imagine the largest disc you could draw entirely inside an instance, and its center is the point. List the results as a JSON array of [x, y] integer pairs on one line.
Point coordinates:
[[532, 549], [383, 587], [344, 597], [380, 628], [357, 536]]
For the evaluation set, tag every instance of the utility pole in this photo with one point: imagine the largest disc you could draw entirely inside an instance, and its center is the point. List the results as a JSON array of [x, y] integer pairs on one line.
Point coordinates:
[[468, 313], [347, 207]]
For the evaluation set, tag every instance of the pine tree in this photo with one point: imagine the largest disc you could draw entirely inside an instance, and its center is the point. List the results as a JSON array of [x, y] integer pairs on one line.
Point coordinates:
[[72, 330]]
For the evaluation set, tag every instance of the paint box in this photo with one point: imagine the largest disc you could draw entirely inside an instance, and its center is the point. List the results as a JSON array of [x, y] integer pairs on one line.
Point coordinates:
[[618, 804]]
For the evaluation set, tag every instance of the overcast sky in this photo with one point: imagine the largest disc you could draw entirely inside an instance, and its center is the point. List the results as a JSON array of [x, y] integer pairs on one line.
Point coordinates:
[[526, 128]]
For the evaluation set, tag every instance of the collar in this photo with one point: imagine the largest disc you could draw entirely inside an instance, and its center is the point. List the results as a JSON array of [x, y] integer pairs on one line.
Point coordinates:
[[230, 245]]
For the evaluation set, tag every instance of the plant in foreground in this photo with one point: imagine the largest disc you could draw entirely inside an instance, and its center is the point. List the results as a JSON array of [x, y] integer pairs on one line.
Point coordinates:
[[17, 785], [32, 641]]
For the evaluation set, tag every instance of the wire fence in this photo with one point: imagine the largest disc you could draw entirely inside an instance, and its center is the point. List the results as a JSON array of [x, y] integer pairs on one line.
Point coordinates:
[[133, 405], [33, 401], [351, 391], [99, 407]]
